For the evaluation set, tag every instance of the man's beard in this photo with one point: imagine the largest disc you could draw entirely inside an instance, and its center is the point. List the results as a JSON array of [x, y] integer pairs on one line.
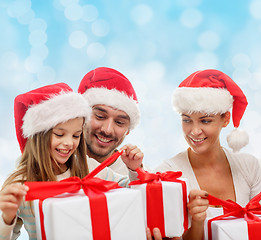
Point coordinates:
[[99, 154]]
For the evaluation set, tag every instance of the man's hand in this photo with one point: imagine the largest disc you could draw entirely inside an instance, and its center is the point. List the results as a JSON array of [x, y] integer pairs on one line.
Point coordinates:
[[157, 235], [132, 156]]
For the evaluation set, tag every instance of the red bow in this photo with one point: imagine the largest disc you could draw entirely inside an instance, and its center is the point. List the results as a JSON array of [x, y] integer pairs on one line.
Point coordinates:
[[90, 185], [93, 187], [231, 208], [146, 177]]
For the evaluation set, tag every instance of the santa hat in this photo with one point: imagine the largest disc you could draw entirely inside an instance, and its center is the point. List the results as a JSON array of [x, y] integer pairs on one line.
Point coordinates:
[[109, 87], [213, 92], [42, 109]]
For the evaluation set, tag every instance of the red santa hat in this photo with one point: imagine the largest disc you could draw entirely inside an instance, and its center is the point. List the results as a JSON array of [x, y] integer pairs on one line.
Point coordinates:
[[109, 87], [42, 109], [213, 92]]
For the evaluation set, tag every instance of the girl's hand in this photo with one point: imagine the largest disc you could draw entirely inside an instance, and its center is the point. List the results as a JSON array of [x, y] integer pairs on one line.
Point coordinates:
[[10, 200], [132, 156]]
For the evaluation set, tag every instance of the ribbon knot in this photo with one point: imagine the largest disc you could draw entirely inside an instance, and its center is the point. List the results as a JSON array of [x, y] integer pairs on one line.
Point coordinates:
[[90, 184], [147, 177], [93, 187]]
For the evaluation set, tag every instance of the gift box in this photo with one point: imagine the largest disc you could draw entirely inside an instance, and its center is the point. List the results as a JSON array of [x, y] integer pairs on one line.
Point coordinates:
[[233, 229], [165, 199], [88, 208], [237, 223], [69, 216]]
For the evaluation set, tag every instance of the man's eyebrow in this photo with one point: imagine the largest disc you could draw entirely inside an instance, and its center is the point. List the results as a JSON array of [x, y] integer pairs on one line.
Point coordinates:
[[99, 109], [124, 117], [119, 116]]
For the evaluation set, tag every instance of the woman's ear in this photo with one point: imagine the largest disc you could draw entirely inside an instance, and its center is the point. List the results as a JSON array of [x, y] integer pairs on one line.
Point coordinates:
[[226, 119]]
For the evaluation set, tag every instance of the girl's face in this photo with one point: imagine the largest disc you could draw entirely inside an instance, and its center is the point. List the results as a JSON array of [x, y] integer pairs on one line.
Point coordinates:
[[65, 139], [202, 131]]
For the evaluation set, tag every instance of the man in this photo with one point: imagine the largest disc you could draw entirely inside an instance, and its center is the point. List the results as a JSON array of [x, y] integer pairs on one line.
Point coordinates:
[[115, 113]]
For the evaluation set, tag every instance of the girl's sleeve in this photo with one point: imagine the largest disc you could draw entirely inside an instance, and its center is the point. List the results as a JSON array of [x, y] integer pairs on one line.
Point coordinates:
[[10, 232], [17, 228]]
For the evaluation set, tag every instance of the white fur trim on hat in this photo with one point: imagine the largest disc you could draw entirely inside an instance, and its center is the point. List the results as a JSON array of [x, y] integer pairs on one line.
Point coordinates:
[[201, 99], [58, 109], [116, 99]]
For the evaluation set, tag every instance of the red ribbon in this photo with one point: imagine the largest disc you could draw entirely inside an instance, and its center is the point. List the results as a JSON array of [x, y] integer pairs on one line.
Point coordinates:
[[233, 209], [93, 187], [155, 210]]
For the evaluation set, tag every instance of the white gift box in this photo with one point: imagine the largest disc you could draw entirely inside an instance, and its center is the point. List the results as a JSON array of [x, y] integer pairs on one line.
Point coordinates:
[[231, 228], [173, 207], [67, 217]]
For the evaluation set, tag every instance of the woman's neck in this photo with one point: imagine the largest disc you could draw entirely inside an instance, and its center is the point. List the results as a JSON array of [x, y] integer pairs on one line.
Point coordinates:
[[207, 159]]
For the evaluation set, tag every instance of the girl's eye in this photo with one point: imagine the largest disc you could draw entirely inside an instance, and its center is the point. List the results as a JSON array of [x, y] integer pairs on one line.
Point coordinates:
[[58, 135], [76, 136]]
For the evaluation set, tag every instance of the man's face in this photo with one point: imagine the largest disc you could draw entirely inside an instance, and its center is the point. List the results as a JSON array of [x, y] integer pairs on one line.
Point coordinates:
[[106, 131]]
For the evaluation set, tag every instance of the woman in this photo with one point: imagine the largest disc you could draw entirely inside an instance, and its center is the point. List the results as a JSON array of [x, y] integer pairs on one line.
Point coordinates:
[[203, 101]]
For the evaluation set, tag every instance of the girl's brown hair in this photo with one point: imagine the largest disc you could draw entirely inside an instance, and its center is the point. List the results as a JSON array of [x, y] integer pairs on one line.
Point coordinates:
[[36, 162]]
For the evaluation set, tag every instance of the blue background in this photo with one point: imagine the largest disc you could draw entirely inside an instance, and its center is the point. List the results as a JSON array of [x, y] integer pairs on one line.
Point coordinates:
[[156, 44]]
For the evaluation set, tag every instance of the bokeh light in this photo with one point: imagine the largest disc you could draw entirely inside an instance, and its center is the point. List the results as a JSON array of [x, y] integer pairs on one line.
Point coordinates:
[[155, 44]]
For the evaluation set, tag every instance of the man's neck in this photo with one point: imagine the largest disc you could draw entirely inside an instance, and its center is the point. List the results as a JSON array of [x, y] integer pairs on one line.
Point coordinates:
[[99, 158]]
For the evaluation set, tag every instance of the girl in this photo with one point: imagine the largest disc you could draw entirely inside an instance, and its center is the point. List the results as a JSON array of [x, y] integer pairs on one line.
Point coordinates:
[[203, 101], [49, 126]]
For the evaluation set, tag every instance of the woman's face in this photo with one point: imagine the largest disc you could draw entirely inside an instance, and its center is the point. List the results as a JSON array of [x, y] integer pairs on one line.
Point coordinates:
[[65, 139], [202, 131]]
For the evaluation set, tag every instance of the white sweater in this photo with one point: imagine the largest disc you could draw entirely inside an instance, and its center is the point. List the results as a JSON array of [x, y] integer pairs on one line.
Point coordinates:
[[245, 168]]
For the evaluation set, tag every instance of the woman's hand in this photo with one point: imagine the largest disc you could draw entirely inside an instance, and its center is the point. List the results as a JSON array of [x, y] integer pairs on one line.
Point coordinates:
[[10, 199], [197, 207]]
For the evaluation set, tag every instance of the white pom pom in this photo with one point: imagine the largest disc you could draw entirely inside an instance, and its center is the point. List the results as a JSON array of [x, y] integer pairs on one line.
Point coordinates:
[[237, 139]]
